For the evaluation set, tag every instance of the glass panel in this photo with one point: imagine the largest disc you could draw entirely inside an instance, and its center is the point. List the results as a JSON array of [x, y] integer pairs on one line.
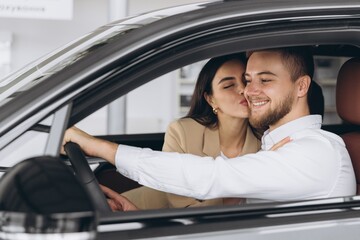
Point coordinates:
[[30, 144]]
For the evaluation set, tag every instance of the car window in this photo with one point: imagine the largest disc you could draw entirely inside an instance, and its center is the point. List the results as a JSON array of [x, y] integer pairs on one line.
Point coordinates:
[[151, 107], [29, 144], [148, 109]]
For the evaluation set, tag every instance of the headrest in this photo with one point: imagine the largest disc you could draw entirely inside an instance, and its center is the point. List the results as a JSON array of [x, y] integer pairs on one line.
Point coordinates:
[[348, 91]]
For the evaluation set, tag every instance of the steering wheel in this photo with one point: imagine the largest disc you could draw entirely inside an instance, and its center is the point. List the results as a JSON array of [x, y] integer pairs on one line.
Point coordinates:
[[86, 176]]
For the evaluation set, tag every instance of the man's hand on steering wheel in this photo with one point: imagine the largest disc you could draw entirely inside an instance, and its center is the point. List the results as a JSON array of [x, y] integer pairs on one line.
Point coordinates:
[[90, 145]]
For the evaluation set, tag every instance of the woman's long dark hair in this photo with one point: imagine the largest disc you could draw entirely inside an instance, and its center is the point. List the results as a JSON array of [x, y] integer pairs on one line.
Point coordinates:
[[200, 110]]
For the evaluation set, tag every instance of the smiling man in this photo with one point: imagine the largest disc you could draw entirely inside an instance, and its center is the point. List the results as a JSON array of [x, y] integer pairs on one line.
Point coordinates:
[[277, 86], [315, 164]]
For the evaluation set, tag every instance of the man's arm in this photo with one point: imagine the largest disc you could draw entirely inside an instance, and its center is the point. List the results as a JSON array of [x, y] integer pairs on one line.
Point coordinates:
[[91, 146], [289, 173]]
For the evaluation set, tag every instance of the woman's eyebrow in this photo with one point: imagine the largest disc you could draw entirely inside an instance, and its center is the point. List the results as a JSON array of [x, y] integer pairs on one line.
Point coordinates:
[[226, 79]]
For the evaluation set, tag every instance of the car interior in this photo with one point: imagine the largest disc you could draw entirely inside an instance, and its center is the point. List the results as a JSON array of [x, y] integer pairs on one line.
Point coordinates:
[[347, 125]]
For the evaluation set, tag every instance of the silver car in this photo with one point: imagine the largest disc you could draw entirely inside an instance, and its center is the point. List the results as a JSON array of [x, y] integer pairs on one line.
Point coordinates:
[[47, 196]]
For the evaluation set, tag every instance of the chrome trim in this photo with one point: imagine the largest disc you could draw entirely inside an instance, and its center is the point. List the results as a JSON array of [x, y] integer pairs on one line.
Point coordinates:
[[120, 227], [276, 215]]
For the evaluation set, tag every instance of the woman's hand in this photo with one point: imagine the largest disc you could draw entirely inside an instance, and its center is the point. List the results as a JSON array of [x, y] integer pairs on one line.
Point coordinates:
[[280, 144], [91, 146], [116, 201]]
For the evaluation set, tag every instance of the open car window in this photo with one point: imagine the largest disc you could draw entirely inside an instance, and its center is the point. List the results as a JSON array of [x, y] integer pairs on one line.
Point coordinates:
[[151, 107]]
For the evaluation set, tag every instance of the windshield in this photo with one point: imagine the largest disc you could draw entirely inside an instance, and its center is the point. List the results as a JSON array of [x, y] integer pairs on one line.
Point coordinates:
[[39, 70]]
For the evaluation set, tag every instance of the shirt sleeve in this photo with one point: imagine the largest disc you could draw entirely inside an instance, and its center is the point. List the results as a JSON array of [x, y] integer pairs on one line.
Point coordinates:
[[297, 170]]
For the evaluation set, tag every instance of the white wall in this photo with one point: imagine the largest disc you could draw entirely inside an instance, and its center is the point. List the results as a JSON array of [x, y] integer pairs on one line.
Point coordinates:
[[32, 38]]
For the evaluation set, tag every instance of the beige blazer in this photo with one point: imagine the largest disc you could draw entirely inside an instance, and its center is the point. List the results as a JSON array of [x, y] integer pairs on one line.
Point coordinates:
[[187, 136]]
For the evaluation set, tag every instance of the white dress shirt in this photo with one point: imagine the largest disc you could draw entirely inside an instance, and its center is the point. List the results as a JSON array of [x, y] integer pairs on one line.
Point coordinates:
[[315, 164]]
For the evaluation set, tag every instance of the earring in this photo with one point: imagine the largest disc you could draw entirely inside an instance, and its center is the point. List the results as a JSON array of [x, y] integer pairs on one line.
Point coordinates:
[[215, 110]]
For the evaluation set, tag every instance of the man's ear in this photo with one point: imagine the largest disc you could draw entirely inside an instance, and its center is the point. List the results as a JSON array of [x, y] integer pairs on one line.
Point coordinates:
[[303, 85]]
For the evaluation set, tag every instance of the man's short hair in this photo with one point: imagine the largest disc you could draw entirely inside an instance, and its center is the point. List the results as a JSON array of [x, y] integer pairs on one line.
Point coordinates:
[[298, 60]]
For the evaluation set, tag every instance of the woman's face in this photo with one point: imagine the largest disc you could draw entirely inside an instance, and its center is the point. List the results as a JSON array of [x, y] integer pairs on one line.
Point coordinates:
[[228, 91]]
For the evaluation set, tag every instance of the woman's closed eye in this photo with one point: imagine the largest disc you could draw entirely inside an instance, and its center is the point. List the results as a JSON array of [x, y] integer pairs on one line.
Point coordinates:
[[265, 80], [229, 86]]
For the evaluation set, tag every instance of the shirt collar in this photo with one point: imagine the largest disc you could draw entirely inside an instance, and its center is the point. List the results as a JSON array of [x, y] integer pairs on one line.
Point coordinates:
[[273, 137]]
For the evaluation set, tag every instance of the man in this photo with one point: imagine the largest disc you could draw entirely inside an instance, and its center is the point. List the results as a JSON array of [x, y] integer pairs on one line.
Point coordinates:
[[315, 164]]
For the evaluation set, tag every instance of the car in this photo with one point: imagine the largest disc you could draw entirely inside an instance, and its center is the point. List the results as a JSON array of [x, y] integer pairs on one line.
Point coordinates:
[[45, 195]]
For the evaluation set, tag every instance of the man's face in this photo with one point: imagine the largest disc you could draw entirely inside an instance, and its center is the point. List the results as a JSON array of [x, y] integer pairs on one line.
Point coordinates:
[[269, 90]]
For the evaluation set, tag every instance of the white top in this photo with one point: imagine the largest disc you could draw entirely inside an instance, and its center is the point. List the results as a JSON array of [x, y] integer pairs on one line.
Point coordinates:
[[315, 164]]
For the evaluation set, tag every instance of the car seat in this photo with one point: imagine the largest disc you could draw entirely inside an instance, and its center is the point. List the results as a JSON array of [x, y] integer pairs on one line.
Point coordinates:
[[347, 104]]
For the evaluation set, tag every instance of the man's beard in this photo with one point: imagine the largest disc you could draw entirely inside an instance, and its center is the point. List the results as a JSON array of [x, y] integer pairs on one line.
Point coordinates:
[[272, 117]]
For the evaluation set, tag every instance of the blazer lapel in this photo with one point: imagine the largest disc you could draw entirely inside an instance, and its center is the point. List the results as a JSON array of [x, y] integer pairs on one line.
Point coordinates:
[[251, 144], [211, 142]]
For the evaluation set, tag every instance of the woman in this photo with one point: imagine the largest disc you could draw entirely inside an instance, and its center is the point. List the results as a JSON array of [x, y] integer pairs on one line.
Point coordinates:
[[215, 125]]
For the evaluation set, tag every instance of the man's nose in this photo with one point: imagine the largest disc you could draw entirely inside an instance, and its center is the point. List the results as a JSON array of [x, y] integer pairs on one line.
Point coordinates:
[[251, 89]]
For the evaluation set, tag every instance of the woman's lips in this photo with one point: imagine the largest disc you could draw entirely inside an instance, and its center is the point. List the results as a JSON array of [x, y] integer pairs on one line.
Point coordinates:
[[244, 102]]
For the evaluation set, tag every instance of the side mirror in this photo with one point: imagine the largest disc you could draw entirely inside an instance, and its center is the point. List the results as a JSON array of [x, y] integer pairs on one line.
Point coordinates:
[[41, 198]]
